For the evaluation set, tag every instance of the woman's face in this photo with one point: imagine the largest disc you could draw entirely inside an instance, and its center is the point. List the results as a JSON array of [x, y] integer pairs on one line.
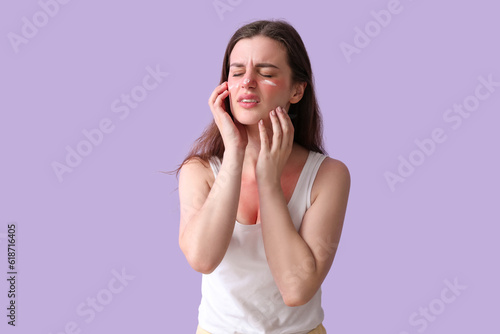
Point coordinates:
[[259, 79]]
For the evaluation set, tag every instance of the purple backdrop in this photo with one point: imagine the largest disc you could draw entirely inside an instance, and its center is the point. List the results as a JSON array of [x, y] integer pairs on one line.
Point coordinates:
[[97, 98]]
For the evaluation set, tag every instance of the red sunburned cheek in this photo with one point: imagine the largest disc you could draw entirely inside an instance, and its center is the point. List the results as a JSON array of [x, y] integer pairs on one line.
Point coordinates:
[[269, 83], [232, 83], [230, 86]]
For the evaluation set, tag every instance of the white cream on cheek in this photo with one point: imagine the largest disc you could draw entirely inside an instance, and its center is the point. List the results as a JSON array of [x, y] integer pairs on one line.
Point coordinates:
[[234, 84], [269, 82], [238, 83], [246, 81]]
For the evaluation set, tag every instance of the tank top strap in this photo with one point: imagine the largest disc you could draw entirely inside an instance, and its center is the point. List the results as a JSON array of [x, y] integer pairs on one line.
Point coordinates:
[[312, 169], [215, 164]]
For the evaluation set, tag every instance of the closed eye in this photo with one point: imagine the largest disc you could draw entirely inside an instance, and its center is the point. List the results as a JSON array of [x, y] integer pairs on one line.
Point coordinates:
[[264, 75]]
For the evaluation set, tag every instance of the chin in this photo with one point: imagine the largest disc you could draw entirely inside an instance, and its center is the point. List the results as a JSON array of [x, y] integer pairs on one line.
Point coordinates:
[[248, 116], [248, 119]]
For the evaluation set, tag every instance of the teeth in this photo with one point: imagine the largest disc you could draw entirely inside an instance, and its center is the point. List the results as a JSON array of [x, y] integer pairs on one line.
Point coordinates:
[[249, 101]]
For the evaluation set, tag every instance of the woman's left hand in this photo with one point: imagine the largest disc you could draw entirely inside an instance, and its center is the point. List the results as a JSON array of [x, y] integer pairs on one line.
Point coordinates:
[[273, 156]]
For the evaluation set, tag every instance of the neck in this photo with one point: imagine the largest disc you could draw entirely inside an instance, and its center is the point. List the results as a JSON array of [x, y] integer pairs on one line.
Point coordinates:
[[253, 148]]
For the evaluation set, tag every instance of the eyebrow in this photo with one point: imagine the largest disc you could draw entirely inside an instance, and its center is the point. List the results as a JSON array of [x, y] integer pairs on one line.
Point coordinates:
[[257, 65]]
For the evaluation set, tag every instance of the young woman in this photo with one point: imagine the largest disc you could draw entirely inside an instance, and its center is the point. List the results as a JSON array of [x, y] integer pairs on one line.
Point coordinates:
[[262, 206]]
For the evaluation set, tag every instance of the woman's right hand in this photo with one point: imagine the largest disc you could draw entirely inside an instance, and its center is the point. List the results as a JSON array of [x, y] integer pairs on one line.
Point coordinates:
[[233, 133]]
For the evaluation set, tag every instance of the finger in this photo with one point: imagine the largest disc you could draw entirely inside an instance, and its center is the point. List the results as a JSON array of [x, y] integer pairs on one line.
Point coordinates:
[[219, 101], [219, 89], [219, 106], [264, 141], [287, 128], [277, 133]]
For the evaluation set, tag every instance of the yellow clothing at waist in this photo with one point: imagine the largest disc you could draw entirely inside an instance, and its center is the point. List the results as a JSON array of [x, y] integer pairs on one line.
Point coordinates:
[[318, 330]]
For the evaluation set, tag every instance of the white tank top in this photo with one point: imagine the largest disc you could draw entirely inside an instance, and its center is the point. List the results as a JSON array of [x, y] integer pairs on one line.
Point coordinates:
[[240, 295]]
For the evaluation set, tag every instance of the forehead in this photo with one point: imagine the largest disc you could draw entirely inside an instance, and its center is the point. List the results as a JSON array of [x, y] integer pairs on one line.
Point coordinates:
[[258, 49]]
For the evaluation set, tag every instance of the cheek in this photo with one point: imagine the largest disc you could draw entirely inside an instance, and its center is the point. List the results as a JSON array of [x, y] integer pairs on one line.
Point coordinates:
[[268, 82], [274, 89], [232, 83]]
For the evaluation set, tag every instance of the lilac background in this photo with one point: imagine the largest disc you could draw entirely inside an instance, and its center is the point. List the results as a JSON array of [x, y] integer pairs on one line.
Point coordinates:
[[115, 210]]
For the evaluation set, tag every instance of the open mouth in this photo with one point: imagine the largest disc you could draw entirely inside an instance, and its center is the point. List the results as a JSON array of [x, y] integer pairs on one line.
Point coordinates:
[[248, 100], [248, 103]]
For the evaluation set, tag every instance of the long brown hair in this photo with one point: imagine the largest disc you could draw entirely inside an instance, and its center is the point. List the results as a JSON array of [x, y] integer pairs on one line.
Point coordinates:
[[307, 121]]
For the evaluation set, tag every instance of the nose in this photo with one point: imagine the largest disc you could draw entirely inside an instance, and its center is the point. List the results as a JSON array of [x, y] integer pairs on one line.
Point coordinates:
[[247, 81]]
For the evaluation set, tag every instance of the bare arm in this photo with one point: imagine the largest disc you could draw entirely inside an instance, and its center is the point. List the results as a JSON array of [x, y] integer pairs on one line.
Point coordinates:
[[300, 261], [208, 214]]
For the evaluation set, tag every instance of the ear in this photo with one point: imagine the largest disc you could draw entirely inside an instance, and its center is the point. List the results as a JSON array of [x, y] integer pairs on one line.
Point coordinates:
[[298, 92]]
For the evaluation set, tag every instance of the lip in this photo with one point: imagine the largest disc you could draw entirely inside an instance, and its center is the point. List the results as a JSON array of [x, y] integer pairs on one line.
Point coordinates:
[[248, 97], [248, 105]]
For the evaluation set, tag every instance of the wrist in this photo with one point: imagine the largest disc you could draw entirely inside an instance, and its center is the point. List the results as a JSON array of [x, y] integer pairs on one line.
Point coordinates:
[[234, 160], [234, 154], [269, 187]]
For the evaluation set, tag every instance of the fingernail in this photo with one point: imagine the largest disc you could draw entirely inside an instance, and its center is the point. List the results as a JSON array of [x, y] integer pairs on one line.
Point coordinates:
[[273, 113]]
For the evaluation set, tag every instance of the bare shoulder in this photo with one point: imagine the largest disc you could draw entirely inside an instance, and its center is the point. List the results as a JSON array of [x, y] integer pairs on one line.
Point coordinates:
[[333, 178], [196, 171], [194, 187]]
